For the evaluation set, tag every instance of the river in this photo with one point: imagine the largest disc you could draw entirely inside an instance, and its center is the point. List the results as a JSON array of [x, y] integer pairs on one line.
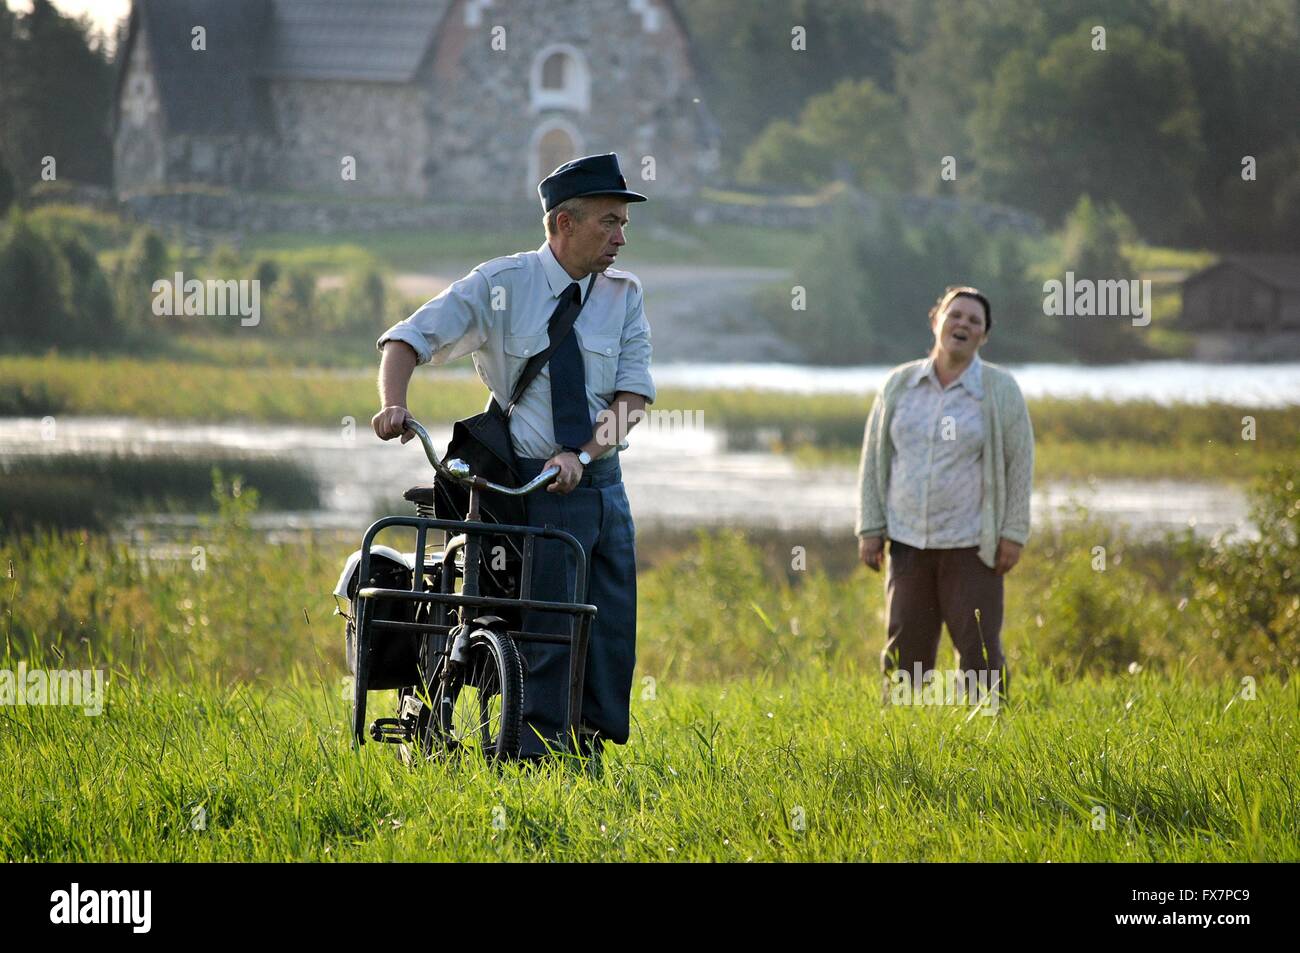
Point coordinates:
[[673, 479]]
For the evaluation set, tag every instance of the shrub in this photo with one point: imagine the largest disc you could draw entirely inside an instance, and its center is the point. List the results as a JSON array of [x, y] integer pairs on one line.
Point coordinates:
[[293, 304], [870, 284], [1246, 594], [36, 287], [364, 304], [91, 317], [146, 260]]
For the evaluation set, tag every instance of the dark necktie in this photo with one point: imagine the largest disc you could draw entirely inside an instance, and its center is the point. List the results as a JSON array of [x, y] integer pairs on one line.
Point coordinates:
[[569, 411]]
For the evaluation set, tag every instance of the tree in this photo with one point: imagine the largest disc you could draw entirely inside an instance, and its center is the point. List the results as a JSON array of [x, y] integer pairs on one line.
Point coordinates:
[[293, 304], [872, 280], [1243, 59], [35, 285], [90, 317], [1122, 123], [1092, 248], [56, 89], [855, 131], [753, 76], [364, 300], [145, 261], [6, 188]]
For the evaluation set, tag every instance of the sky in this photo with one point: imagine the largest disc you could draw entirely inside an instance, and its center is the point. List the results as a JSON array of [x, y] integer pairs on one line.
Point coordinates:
[[104, 13]]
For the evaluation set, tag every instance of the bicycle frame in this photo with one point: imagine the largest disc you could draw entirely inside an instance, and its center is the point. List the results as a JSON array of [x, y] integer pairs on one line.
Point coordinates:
[[470, 535]]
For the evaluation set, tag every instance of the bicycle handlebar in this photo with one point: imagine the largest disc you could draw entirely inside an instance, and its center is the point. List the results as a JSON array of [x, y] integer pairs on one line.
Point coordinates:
[[459, 469]]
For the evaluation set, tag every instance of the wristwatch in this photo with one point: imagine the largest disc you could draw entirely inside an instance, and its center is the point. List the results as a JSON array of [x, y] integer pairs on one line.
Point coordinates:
[[583, 456]]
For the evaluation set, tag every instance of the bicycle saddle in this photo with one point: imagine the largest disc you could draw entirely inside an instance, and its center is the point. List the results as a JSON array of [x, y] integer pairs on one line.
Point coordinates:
[[420, 494]]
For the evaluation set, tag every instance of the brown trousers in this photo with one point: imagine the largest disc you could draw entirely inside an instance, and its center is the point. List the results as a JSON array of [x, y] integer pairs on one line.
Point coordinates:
[[927, 588]]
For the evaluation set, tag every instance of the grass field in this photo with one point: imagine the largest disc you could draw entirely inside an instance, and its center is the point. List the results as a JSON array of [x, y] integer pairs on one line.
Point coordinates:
[[1156, 690], [428, 250], [1123, 769]]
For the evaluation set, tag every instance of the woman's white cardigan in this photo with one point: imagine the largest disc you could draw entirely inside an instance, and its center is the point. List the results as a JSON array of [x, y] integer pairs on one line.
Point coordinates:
[[1008, 459]]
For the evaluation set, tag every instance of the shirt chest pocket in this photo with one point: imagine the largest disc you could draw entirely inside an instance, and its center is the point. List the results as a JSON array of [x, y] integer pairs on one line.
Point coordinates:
[[518, 349], [600, 358]]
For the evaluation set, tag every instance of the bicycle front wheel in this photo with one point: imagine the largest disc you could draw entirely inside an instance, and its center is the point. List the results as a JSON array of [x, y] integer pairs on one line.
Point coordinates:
[[477, 707]]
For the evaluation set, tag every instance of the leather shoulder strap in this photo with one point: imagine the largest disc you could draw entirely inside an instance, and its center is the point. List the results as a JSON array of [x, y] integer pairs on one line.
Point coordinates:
[[560, 327]]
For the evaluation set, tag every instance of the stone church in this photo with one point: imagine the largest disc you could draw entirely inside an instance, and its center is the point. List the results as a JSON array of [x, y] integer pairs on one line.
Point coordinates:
[[430, 100]]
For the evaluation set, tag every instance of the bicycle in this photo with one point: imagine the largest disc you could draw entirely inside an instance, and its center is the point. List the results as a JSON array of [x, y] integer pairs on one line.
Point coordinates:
[[459, 675]]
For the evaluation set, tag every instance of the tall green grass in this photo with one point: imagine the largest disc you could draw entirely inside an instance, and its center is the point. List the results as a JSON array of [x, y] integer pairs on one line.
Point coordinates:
[[1141, 768], [727, 605], [1141, 726]]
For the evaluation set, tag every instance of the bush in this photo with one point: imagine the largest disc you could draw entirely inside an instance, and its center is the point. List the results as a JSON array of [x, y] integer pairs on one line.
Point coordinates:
[[146, 260], [36, 287], [870, 285], [91, 317], [1099, 620], [364, 302], [1246, 594], [266, 271], [293, 304]]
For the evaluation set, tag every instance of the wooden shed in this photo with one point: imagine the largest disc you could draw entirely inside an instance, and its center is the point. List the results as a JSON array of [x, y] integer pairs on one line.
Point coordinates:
[[1244, 308]]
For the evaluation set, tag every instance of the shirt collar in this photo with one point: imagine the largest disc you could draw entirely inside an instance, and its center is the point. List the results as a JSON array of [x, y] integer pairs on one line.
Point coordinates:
[[557, 278], [972, 378]]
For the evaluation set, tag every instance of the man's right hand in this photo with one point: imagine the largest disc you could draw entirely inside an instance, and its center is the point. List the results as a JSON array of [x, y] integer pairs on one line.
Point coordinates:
[[391, 422], [871, 550]]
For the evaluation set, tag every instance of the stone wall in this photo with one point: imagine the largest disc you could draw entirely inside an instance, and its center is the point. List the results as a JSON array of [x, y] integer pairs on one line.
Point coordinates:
[[486, 119], [236, 213], [380, 125], [246, 214]]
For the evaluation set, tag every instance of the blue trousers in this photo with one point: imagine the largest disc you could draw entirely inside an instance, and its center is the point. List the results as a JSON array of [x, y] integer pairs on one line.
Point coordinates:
[[597, 513]]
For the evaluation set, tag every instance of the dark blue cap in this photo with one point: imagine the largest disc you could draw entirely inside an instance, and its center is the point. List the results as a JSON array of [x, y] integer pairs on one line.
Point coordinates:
[[589, 175]]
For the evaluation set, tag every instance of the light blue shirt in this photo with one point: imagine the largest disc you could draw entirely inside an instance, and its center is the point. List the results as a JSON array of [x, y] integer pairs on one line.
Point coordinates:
[[499, 313], [936, 477]]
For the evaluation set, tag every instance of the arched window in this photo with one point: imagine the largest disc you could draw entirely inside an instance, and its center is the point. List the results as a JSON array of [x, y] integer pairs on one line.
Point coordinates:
[[554, 68], [560, 80]]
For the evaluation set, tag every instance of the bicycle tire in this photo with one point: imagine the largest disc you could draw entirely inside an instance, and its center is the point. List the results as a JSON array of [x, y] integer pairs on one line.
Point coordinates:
[[494, 670]]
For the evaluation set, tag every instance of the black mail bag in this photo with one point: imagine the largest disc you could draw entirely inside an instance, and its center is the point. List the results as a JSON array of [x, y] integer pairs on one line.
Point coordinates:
[[483, 442]]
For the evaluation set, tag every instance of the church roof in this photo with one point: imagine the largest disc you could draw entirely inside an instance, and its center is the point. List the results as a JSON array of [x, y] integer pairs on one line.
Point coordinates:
[[218, 90], [202, 91], [221, 90], [376, 40]]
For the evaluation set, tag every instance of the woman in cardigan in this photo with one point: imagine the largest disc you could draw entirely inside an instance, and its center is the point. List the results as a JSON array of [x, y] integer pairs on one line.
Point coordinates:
[[945, 475]]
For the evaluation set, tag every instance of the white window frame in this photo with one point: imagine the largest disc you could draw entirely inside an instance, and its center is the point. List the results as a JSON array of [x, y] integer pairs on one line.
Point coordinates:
[[576, 96]]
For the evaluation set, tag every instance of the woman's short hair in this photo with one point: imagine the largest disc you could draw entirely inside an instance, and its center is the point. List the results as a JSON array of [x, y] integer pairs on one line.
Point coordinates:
[[963, 291]]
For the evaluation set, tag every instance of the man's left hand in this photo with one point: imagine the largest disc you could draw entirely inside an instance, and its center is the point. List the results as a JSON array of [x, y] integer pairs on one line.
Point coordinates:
[[566, 481], [1008, 555]]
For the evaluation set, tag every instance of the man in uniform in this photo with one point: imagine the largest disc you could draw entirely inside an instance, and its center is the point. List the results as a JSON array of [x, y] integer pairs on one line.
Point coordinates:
[[574, 415]]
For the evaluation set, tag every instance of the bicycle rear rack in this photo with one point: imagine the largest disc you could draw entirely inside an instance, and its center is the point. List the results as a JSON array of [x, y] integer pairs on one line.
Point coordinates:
[[395, 730]]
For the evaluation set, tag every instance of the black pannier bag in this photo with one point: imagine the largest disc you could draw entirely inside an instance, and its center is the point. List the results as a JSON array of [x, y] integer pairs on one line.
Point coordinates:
[[394, 655]]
